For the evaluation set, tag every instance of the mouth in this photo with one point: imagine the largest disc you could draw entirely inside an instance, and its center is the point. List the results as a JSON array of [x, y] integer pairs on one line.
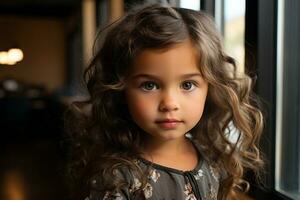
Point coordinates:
[[168, 123]]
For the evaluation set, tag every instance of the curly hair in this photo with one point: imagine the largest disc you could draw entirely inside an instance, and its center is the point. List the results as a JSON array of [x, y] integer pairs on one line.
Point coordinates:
[[103, 133]]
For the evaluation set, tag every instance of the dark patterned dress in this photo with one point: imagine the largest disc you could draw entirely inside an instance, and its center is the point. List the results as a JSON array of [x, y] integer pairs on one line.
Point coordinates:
[[166, 183]]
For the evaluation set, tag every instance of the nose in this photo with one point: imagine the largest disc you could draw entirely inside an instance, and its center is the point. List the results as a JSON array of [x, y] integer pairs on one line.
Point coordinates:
[[169, 102]]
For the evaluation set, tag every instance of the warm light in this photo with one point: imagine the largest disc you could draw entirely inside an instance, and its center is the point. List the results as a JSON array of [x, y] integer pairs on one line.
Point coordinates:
[[15, 54], [4, 59], [11, 57], [14, 187]]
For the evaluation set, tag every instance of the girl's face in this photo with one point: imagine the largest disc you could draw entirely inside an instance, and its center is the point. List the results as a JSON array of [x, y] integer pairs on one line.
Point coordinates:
[[166, 92]]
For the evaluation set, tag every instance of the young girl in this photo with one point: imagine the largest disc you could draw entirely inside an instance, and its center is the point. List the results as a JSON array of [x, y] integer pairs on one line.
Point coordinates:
[[164, 99]]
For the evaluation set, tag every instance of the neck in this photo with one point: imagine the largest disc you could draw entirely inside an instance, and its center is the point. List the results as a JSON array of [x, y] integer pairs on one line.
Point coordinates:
[[178, 154], [167, 148]]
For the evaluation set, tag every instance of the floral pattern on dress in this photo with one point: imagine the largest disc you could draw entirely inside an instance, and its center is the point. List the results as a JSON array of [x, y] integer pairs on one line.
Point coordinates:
[[112, 195], [148, 190], [188, 191], [135, 186], [199, 174], [154, 175], [167, 184], [214, 173], [212, 193]]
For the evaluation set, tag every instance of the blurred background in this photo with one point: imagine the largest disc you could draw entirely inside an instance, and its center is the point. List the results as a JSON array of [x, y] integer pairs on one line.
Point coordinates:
[[46, 44]]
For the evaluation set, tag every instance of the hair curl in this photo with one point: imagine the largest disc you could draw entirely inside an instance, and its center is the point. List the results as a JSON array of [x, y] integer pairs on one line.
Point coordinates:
[[105, 135]]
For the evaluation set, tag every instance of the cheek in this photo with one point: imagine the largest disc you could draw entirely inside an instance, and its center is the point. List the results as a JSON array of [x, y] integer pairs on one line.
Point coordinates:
[[196, 106], [139, 108]]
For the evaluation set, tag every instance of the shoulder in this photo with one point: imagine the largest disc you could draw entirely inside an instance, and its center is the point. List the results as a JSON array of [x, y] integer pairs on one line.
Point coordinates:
[[120, 184], [208, 164]]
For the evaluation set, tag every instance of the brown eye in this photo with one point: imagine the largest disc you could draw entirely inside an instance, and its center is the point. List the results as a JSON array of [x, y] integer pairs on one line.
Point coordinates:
[[187, 85], [148, 86]]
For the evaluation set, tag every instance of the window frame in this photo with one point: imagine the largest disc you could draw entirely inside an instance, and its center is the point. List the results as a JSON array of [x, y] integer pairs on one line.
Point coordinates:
[[261, 57]]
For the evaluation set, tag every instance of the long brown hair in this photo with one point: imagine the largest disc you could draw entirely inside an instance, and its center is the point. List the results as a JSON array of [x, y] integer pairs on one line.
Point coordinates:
[[105, 137]]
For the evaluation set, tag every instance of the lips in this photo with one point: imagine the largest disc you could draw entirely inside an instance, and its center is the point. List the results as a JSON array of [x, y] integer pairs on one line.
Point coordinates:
[[168, 123]]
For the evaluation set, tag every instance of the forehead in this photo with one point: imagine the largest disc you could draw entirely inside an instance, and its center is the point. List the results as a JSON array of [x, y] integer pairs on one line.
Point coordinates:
[[182, 57]]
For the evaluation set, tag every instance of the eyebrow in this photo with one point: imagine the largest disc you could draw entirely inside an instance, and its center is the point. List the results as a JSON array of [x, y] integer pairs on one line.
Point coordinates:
[[151, 76]]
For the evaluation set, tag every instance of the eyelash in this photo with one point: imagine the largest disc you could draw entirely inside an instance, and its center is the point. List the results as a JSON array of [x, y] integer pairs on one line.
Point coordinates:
[[154, 86]]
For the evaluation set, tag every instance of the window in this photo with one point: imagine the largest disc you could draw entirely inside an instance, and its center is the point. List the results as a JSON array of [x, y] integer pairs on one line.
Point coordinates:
[[287, 178], [230, 20], [234, 30], [195, 4]]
